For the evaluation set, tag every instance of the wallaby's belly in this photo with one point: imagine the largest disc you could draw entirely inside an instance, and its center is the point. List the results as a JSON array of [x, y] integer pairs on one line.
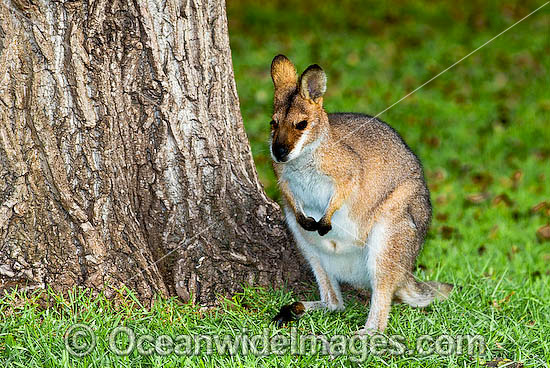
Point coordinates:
[[341, 252], [349, 267]]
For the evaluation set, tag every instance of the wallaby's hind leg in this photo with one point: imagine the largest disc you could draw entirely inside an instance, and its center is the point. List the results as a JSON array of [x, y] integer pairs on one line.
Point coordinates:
[[394, 243], [329, 289], [387, 265]]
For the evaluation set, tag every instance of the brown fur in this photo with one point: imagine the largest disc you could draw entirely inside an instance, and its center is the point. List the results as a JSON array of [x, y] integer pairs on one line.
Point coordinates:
[[374, 173]]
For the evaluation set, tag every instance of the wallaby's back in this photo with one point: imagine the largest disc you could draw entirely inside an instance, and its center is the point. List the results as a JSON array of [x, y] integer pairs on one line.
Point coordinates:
[[377, 144], [385, 160]]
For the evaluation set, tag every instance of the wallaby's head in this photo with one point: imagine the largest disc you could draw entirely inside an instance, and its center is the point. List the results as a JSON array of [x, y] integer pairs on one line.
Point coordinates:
[[298, 120]]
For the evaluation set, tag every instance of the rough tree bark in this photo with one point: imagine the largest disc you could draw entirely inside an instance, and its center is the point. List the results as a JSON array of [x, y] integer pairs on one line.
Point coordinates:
[[123, 158]]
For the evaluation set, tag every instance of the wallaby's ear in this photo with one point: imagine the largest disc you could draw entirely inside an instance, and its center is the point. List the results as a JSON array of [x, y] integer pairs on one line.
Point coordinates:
[[313, 83], [283, 72]]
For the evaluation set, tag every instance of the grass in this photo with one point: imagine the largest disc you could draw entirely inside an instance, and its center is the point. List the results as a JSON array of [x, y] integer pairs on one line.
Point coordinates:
[[482, 131]]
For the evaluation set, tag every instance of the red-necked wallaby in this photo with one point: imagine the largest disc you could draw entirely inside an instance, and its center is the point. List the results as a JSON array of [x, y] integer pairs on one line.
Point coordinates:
[[354, 196]]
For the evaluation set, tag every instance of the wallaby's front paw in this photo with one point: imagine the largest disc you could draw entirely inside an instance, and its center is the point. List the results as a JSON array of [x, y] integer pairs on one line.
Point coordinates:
[[308, 223], [324, 227]]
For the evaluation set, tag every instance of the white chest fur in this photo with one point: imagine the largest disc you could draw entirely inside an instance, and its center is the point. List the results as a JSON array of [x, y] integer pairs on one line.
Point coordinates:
[[311, 189], [342, 254]]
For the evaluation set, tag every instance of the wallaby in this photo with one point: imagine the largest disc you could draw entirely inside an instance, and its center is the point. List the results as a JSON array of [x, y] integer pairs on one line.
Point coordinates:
[[354, 197]]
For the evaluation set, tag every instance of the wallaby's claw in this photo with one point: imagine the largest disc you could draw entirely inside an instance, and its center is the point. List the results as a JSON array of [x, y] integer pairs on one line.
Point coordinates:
[[324, 228], [308, 223]]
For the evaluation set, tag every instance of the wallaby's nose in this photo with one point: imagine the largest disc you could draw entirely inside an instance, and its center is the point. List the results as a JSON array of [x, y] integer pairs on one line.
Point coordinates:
[[280, 152]]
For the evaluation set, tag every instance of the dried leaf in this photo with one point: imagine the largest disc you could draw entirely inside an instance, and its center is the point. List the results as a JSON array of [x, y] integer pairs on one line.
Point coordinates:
[[477, 198], [542, 154], [500, 362], [436, 175], [502, 198], [482, 179], [516, 178], [507, 298], [442, 199], [442, 217], [447, 232], [543, 233], [433, 142], [498, 303], [540, 207]]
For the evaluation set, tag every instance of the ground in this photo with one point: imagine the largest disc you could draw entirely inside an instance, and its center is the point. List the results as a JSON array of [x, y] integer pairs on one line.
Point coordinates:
[[481, 130]]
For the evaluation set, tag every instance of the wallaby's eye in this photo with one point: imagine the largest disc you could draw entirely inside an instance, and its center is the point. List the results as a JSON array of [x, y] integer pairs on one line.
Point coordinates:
[[301, 125], [274, 124]]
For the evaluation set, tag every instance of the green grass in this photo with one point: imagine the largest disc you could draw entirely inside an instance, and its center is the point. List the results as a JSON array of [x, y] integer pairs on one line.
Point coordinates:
[[482, 131]]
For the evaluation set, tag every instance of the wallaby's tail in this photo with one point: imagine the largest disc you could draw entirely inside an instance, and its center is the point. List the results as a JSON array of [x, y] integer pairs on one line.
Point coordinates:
[[420, 294]]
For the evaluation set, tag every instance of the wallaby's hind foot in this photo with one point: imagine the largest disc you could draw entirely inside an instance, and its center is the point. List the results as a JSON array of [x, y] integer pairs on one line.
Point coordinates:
[[288, 313], [292, 312]]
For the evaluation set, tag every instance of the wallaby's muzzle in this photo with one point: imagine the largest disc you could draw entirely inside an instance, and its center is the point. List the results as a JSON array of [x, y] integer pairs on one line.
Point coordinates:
[[280, 152]]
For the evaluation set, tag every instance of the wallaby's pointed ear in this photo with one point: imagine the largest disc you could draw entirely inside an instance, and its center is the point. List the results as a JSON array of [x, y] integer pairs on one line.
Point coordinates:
[[313, 83], [283, 72]]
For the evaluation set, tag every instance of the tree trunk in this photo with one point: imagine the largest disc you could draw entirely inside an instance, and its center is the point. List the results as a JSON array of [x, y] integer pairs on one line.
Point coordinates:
[[123, 158]]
